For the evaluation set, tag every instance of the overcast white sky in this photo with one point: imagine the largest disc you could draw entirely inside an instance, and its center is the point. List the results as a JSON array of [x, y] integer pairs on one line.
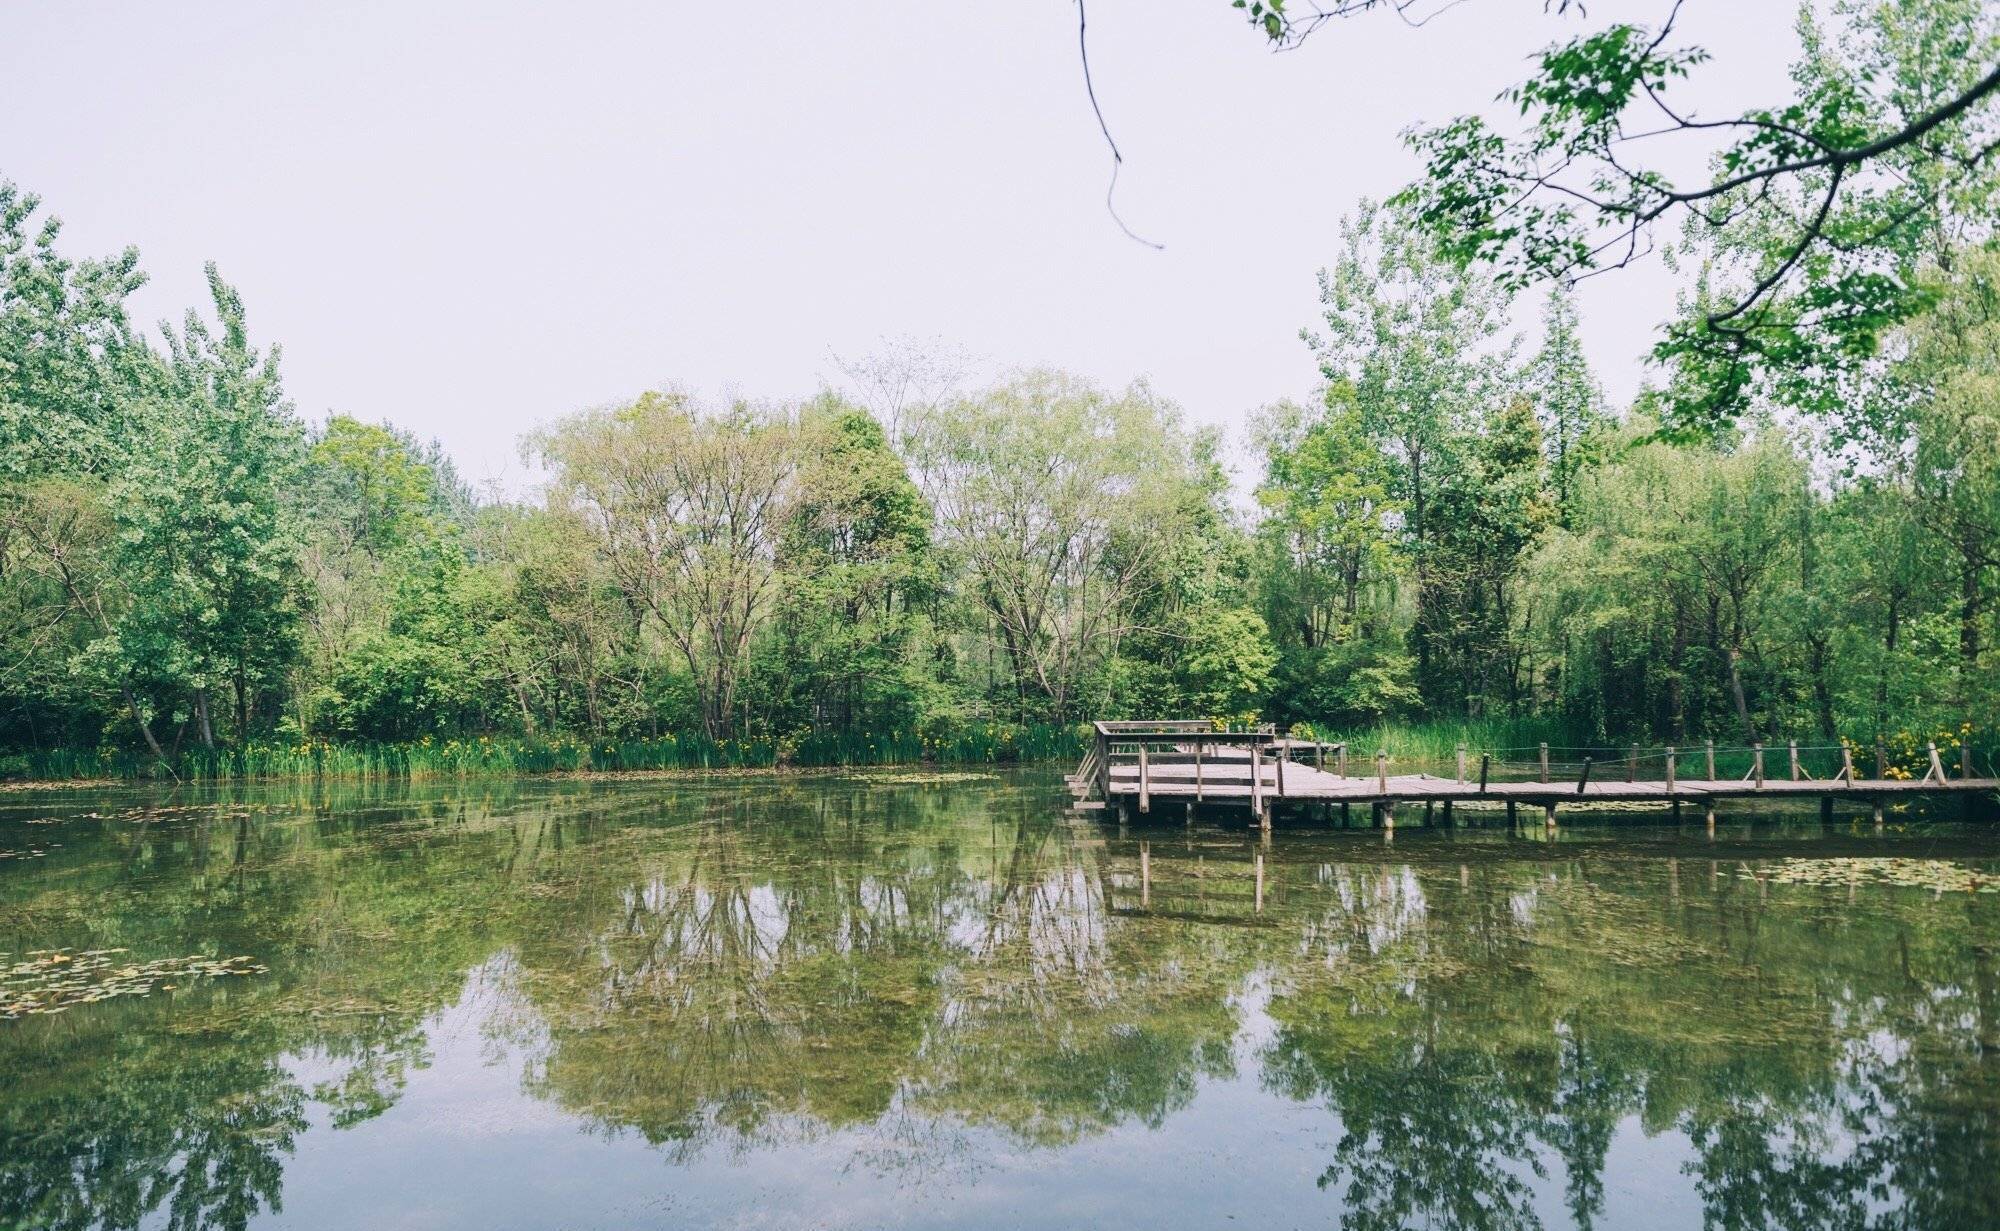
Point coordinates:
[[471, 218]]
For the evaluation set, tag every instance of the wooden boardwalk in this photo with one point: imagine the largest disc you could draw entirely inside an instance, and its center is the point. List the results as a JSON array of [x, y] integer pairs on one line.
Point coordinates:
[[1138, 767]]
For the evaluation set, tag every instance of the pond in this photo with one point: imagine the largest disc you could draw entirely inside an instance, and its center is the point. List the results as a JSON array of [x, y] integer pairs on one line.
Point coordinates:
[[944, 1001]]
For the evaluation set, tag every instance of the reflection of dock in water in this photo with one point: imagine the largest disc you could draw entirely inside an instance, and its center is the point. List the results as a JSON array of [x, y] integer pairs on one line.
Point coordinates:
[[1190, 882], [1182, 765]]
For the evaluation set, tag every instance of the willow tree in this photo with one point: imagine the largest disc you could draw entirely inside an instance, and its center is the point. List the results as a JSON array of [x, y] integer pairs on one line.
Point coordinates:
[[686, 505], [1952, 425]]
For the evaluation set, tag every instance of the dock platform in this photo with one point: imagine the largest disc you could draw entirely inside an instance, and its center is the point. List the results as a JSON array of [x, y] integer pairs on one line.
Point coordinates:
[[1134, 766]]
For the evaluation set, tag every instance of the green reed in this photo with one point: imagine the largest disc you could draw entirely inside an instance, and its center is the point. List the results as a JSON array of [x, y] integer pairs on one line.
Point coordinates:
[[503, 756]]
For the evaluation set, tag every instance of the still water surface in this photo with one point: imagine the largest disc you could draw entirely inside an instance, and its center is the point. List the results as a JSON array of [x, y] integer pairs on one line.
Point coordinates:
[[854, 1002]]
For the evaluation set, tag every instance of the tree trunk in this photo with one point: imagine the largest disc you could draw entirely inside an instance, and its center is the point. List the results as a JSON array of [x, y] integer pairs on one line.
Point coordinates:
[[1971, 606], [145, 727], [202, 725], [1736, 691]]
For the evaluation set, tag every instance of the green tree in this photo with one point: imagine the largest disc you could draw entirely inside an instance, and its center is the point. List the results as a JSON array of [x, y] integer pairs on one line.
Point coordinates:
[[859, 580]]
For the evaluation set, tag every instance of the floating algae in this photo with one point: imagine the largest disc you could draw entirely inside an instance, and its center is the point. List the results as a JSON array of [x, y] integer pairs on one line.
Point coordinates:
[[47, 981], [168, 812], [922, 779], [1940, 875]]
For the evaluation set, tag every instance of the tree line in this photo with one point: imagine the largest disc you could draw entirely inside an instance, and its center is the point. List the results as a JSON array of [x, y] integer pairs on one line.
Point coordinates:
[[1456, 527]]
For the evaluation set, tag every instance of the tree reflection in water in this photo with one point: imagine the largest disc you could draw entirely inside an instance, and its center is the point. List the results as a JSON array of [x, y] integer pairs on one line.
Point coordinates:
[[731, 967]]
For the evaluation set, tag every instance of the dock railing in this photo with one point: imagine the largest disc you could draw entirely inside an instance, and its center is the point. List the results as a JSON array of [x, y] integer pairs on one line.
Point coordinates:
[[1195, 746]]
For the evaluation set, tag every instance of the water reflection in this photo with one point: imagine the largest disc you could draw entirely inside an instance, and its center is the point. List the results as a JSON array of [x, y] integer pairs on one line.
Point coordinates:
[[956, 985]]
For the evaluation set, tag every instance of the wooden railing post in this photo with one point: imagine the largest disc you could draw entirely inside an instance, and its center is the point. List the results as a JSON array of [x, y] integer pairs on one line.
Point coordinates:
[[1545, 761], [1757, 766], [1937, 767], [1382, 770], [1672, 758], [1104, 767], [1284, 755], [1342, 768], [1582, 779], [1485, 762], [1198, 744], [1145, 787], [1881, 759], [1846, 763], [1461, 762], [1256, 781], [1965, 752], [1793, 748]]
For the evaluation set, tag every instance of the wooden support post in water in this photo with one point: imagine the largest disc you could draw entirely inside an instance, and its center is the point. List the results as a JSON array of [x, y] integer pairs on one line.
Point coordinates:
[[1389, 815], [1673, 760], [1757, 765], [1877, 811], [1545, 761], [1826, 809], [1430, 810], [1461, 762], [1447, 813], [1792, 747], [1375, 812], [1549, 812], [1382, 771], [1485, 762], [1711, 759], [1145, 787], [1677, 809], [1513, 819], [1345, 816], [1708, 815]]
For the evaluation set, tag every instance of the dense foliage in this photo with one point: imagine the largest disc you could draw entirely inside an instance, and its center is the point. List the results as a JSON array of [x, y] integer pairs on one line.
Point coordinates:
[[1455, 526]]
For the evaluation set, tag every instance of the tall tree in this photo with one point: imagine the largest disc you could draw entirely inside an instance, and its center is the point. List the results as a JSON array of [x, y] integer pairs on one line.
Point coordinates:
[[1418, 340], [687, 506], [1060, 503]]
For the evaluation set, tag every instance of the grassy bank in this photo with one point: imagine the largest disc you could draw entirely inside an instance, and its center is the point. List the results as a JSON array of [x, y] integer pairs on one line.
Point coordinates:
[[974, 744], [1513, 744]]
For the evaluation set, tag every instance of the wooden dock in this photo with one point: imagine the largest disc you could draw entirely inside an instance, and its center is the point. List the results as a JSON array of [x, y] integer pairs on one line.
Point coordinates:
[[1182, 765]]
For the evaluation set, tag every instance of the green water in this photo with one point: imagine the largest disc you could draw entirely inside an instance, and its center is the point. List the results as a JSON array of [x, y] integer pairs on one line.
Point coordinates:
[[855, 1003]]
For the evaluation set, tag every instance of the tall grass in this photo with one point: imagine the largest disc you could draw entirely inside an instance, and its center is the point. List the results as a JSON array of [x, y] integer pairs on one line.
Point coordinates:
[[1515, 746], [973, 743], [1438, 742]]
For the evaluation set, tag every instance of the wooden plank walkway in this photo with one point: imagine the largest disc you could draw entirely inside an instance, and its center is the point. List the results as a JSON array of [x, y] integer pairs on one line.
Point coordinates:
[[1137, 765]]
